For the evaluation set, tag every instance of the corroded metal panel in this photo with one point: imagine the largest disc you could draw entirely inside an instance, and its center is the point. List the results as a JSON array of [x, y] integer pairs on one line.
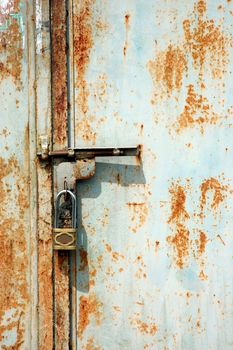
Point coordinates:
[[18, 249], [44, 175], [59, 73], [155, 256]]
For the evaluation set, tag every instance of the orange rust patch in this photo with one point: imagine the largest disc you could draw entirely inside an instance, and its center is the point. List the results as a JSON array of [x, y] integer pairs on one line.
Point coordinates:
[[139, 213], [83, 42], [89, 307], [178, 198], [105, 217], [100, 88], [83, 260], [115, 255], [168, 69], [85, 129], [62, 298], [202, 242], [180, 240], [181, 244], [206, 42], [209, 185], [92, 280], [59, 71], [91, 345], [203, 276], [13, 249], [11, 42], [144, 327], [197, 112]]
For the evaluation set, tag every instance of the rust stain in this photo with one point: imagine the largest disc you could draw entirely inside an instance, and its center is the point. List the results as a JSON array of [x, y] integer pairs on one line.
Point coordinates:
[[181, 244], [89, 308], [105, 217], [92, 275], [4, 132], [99, 89], [83, 259], [168, 69], [180, 241], [45, 290], [62, 298], [115, 255], [197, 112], [214, 186], [203, 276], [202, 242], [178, 198], [11, 51], [13, 249], [83, 42], [144, 328], [139, 213], [59, 71], [91, 345], [205, 42], [207, 47], [156, 247], [127, 27]]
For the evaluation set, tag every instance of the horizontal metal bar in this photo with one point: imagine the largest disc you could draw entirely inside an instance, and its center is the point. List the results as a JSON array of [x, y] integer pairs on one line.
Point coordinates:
[[69, 155]]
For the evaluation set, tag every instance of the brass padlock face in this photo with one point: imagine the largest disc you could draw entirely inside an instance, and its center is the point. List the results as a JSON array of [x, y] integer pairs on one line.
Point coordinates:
[[64, 239]]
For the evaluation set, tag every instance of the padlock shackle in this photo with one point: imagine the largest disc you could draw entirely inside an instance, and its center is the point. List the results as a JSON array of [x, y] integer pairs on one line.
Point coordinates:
[[74, 206]]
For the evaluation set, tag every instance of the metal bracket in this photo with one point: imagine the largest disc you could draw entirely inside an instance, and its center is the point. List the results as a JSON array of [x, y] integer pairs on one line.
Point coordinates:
[[44, 146]]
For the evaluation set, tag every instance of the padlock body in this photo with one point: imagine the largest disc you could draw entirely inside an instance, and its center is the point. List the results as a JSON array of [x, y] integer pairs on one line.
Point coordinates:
[[64, 238]]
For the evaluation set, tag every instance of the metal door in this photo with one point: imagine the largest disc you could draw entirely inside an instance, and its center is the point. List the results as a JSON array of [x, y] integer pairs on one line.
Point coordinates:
[[155, 233]]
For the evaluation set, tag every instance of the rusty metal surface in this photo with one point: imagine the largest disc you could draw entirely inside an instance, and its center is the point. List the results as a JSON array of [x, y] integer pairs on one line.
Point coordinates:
[[59, 73], [155, 256], [18, 251], [44, 176]]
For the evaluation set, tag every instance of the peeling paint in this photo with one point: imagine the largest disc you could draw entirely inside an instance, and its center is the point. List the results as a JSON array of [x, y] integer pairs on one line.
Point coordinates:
[[91, 345], [138, 215], [168, 69], [90, 308], [213, 186], [62, 299], [13, 250], [202, 242], [59, 72], [197, 112], [206, 42], [83, 42], [115, 255], [181, 238], [206, 45], [144, 328], [11, 44]]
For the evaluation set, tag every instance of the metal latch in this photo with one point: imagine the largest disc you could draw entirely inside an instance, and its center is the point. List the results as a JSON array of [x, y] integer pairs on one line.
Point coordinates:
[[72, 155], [65, 238]]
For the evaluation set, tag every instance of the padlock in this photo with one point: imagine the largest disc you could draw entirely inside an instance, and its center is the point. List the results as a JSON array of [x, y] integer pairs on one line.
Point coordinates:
[[64, 238]]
